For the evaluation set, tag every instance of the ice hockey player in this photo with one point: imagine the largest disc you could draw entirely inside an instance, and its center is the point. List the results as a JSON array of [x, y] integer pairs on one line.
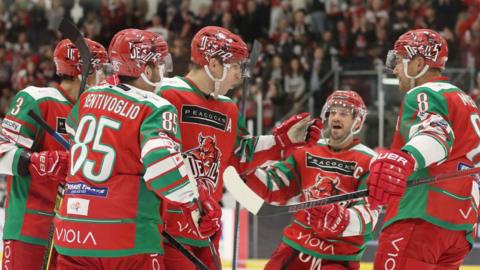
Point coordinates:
[[331, 236], [214, 134], [438, 131], [125, 159], [36, 162]]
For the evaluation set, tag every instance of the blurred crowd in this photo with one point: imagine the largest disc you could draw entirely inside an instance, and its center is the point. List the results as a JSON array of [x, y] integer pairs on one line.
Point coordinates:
[[300, 38]]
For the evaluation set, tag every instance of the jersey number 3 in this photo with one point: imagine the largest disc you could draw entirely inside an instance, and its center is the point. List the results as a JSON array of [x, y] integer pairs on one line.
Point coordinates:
[[90, 129]]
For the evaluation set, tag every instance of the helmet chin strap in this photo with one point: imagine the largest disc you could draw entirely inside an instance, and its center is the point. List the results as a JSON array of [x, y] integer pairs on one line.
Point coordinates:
[[413, 78], [216, 81], [154, 84]]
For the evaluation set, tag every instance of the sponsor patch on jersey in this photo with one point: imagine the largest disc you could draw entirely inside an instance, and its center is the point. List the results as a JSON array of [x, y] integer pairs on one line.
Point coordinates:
[[84, 189], [11, 125], [331, 164], [61, 125], [77, 206], [199, 115]]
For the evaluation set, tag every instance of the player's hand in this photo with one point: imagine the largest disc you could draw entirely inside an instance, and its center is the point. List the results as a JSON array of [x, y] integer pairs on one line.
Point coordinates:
[[314, 131], [50, 164], [388, 177], [329, 220], [207, 224], [210, 221], [293, 131]]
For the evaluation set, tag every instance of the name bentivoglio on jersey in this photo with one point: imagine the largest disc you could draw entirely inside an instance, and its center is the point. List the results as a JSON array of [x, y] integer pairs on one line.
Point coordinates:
[[109, 103]]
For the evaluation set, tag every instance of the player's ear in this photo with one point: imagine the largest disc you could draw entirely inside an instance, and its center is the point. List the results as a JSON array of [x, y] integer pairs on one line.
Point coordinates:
[[419, 62], [213, 64]]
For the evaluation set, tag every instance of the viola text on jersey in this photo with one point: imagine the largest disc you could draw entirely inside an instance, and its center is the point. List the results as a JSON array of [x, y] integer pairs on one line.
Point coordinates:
[[310, 240]]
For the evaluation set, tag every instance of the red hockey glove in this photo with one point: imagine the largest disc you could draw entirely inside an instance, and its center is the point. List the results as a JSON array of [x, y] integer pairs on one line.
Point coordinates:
[[50, 164], [209, 223], [329, 220], [388, 177], [293, 131], [314, 132]]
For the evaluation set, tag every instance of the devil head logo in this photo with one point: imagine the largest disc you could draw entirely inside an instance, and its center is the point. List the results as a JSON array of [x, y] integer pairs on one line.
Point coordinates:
[[324, 187], [205, 161]]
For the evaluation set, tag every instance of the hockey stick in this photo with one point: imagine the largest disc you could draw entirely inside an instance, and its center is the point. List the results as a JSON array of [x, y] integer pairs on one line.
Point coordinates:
[[69, 30], [250, 65], [258, 206], [196, 200]]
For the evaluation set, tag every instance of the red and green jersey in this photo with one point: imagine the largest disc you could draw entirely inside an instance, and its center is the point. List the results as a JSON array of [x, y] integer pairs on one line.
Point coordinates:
[[440, 126], [213, 137], [316, 172], [31, 200], [124, 159]]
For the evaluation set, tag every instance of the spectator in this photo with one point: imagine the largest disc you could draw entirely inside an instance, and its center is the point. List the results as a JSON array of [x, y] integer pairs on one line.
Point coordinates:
[[157, 27], [295, 84]]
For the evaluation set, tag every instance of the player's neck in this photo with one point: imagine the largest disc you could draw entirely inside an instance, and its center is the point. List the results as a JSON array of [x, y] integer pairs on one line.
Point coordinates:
[[430, 76], [71, 88], [201, 80]]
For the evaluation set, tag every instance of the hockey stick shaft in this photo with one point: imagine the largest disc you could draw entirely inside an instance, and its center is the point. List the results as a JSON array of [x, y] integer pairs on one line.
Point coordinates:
[[70, 31], [252, 60], [211, 246], [257, 205], [364, 192]]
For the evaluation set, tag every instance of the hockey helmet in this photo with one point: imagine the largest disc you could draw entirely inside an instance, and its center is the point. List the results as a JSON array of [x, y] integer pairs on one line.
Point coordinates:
[[424, 42], [68, 61], [132, 49], [350, 100], [213, 41]]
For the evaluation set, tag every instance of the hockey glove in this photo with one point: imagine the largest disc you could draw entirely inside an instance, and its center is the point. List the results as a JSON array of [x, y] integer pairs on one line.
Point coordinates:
[[209, 223], [314, 132], [50, 164], [293, 131], [388, 177], [329, 220]]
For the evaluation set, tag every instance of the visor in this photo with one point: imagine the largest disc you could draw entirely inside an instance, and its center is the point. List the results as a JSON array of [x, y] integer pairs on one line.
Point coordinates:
[[393, 58]]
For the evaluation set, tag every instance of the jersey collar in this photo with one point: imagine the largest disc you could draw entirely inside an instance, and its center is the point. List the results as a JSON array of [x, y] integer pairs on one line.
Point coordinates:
[[195, 88], [439, 79]]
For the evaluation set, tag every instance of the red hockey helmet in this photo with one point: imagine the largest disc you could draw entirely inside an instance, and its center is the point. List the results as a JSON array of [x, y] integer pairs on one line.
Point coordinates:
[[214, 41], [132, 49], [346, 99], [425, 42], [67, 57]]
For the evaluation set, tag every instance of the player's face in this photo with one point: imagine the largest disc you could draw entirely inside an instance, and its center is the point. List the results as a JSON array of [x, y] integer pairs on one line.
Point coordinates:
[[414, 66], [340, 121], [233, 78]]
